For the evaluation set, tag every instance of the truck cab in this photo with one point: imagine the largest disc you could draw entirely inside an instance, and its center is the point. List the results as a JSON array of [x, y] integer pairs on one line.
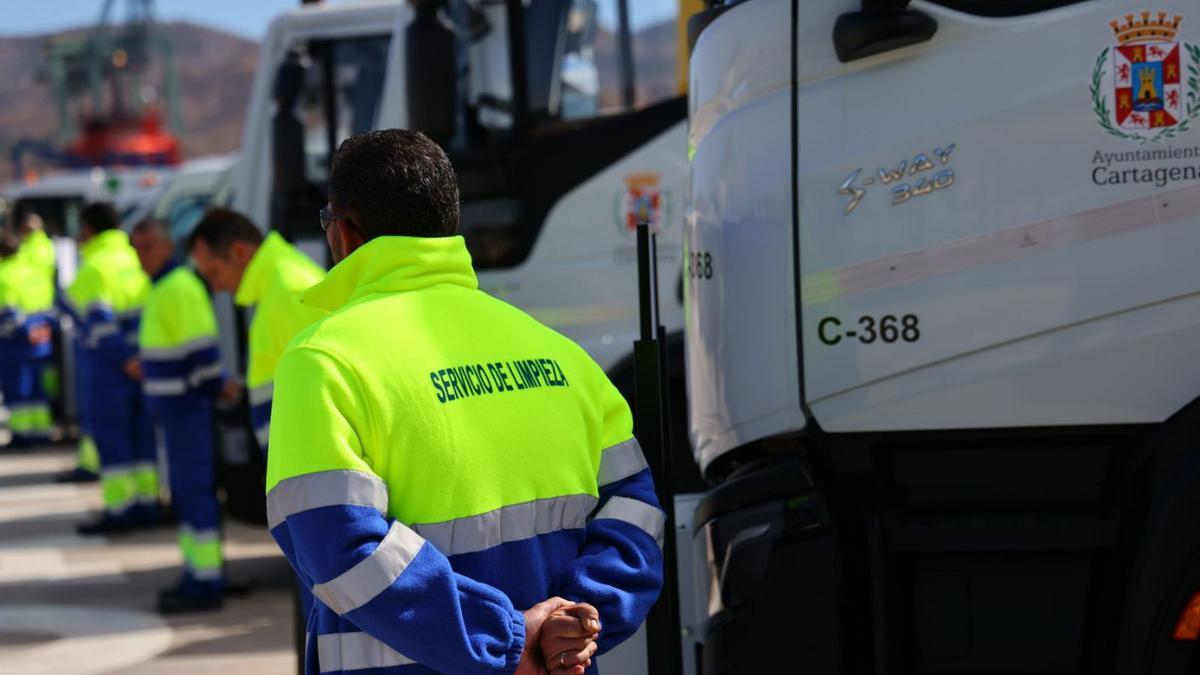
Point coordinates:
[[196, 185], [941, 297], [558, 122]]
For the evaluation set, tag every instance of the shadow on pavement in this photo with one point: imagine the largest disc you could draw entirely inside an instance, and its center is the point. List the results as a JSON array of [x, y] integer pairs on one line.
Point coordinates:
[[28, 479], [266, 605]]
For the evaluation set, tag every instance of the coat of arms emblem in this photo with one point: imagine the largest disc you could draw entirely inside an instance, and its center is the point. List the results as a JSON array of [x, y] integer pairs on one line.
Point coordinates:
[[1153, 80], [642, 200]]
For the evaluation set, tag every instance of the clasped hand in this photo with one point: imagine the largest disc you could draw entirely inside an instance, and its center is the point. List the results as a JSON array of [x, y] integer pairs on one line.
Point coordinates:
[[560, 638]]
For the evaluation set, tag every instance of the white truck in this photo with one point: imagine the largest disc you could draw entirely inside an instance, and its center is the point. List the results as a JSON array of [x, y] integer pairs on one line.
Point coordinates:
[[554, 145], [192, 188], [564, 119], [58, 197], [943, 310]]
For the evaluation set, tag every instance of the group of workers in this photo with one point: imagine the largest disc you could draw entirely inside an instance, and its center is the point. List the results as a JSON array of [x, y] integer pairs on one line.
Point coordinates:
[[147, 357], [456, 486]]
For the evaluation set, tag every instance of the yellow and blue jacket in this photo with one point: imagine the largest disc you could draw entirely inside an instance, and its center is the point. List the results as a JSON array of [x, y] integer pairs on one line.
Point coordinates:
[[38, 251], [106, 298], [25, 303], [273, 282], [441, 461], [181, 363]]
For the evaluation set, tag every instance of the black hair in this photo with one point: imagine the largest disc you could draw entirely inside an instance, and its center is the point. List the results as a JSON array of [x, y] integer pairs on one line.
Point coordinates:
[[154, 225], [99, 216], [220, 227], [397, 182]]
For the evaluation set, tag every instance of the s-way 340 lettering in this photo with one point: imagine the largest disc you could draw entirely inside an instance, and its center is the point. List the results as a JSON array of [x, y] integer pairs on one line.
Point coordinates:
[[902, 191], [887, 329]]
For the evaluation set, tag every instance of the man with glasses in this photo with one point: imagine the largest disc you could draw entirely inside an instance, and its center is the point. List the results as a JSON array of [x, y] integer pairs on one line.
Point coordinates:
[[456, 483]]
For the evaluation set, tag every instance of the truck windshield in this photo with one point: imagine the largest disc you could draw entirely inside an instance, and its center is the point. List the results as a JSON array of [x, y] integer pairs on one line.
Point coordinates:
[[589, 58], [328, 90]]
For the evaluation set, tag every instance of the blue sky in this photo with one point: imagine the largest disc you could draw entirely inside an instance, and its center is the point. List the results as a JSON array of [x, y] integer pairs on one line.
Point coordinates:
[[248, 18]]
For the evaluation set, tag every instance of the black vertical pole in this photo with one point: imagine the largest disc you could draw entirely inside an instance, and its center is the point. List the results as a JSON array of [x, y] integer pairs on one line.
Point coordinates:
[[625, 54], [662, 625], [330, 99], [519, 71]]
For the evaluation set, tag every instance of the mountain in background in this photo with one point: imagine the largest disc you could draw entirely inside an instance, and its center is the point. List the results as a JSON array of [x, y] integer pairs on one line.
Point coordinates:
[[655, 65], [216, 71], [215, 74]]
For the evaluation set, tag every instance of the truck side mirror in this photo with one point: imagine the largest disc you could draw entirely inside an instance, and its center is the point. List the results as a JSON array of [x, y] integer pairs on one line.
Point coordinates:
[[881, 26], [431, 70]]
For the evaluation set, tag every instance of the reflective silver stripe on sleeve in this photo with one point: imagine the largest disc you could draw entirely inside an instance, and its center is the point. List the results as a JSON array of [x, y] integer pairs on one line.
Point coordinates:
[[373, 574], [641, 515], [326, 488], [205, 373], [177, 353], [263, 435], [337, 652], [621, 461], [104, 330], [262, 393], [507, 524], [172, 387], [99, 307]]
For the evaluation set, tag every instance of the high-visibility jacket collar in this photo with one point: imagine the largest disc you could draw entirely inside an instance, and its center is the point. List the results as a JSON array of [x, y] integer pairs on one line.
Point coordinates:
[[256, 276], [171, 266], [37, 239], [393, 265], [108, 239]]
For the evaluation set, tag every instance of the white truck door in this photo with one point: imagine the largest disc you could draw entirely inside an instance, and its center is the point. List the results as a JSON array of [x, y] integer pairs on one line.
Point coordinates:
[[997, 226]]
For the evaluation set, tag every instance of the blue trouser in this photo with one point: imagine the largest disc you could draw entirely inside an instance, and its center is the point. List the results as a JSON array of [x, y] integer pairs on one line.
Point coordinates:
[[89, 457], [83, 388], [189, 434], [29, 411], [124, 437]]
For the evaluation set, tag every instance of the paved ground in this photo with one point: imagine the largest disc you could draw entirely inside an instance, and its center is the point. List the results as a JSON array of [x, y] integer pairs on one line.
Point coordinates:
[[72, 606]]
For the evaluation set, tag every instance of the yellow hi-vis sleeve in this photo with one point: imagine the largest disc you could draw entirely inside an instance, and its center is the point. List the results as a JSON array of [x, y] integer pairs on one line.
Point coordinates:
[[311, 430]]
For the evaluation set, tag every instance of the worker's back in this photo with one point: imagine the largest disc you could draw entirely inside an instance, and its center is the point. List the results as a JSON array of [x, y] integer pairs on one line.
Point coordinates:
[[181, 364], [16, 305], [109, 290], [487, 427], [38, 250]]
